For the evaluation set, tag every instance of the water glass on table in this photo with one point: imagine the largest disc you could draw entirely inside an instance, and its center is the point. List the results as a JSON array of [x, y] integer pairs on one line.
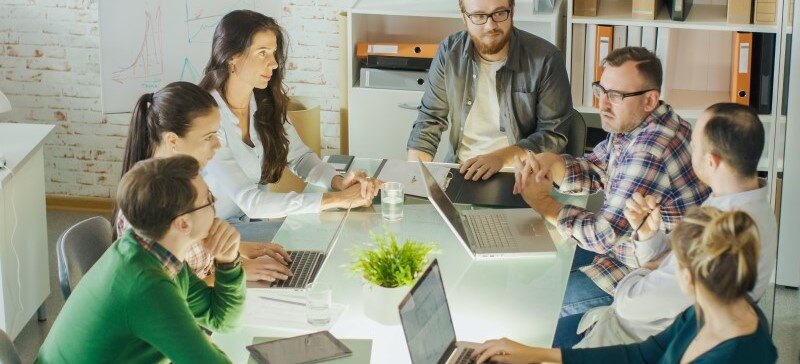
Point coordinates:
[[392, 201], [318, 304]]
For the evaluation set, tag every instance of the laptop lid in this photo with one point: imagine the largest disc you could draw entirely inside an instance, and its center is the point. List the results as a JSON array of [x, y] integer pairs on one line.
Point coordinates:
[[445, 207], [426, 320], [333, 241]]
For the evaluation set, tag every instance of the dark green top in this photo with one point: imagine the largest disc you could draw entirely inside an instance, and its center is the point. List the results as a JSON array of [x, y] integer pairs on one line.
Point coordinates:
[[670, 344], [127, 309]]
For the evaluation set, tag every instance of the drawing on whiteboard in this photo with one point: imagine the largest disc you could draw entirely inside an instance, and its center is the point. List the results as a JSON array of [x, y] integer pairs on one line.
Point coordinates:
[[202, 17], [149, 61], [189, 72]]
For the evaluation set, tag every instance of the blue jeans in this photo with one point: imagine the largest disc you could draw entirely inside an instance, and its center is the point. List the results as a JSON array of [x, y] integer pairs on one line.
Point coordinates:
[[582, 294], [256, 230], [565, 332]]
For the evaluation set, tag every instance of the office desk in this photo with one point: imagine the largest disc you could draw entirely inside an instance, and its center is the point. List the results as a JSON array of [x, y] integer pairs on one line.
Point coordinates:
[[24, 278], [518, 298]]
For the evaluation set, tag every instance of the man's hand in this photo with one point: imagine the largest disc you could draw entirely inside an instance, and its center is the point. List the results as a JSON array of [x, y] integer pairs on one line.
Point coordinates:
[[526, 184], [265, 269], [636, 210], [222, 241], [482, 166], [254, 250]]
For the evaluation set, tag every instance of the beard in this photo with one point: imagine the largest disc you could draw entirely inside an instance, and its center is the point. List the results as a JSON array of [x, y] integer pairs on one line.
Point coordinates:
[[492, 47]]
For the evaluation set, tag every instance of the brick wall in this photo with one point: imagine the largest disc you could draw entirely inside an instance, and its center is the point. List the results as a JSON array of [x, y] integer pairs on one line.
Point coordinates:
[[50, 71]]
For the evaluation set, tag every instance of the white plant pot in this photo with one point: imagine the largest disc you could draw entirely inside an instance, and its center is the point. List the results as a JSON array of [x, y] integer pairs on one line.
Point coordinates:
[[380, 303]]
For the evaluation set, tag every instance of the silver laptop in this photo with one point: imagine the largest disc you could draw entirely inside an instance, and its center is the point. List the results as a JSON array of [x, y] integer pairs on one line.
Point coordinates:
[[305, 265], [427, 324], [492, 233]]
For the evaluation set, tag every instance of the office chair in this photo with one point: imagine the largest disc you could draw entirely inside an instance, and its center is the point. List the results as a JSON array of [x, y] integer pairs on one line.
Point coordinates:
[[78, 248], [8, 353], [576, 140]]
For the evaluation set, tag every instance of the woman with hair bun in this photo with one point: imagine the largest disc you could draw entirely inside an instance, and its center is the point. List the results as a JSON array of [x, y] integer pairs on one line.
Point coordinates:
[[717, 256]]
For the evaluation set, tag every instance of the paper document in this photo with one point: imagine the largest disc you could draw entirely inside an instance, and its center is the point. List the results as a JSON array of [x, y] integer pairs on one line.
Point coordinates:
[[407, 173], [285, 311]]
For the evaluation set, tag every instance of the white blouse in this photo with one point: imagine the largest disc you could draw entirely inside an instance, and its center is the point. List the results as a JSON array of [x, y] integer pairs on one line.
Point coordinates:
[[234, 172]]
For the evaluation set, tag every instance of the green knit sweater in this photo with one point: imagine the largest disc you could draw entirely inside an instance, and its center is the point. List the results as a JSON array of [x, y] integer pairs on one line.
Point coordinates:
[[126, 309]]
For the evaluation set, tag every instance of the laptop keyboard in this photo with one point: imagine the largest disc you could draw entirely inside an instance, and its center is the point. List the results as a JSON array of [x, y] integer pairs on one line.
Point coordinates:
[[466, 356], [491, 230], [304, 263]]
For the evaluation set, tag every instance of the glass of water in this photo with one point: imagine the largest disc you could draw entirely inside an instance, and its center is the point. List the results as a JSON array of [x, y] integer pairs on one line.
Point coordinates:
[[392, 201], [318, 304]]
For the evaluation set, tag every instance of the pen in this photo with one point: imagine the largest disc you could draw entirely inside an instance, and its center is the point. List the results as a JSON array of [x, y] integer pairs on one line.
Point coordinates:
[[635, 233], [284, 301]]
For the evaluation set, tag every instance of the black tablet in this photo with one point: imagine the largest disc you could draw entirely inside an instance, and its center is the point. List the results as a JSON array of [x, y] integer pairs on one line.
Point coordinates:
[[311, 348]]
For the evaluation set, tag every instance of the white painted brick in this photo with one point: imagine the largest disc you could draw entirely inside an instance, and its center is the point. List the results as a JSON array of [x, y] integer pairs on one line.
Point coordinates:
[[61, 84]]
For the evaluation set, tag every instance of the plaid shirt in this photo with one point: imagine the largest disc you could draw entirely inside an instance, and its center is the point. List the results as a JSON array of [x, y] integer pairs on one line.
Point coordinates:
[[170, 263], [653, 159], [198, 259]]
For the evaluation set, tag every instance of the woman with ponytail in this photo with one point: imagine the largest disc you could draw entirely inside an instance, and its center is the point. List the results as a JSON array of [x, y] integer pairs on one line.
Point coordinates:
[[182, 118], [245, 75], [718, 255]]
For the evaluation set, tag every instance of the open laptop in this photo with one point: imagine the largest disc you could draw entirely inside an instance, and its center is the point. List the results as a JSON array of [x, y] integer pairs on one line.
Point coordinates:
[[427, 324], [305, 265], [492, 233]]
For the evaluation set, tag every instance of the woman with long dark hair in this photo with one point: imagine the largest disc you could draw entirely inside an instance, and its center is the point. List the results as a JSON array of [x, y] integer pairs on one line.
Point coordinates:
[[182, 118], [245, 75]]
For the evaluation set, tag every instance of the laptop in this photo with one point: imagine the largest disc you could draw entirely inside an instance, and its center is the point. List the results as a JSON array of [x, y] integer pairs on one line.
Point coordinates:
[[427, 324], [492, 233], [305, 265]]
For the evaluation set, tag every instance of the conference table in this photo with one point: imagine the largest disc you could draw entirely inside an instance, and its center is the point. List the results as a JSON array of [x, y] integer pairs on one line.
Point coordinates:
[[517, 298]]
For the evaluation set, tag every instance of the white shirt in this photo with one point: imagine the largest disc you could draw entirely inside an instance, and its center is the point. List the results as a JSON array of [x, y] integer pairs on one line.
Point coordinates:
[[234, 173], [646, 302], [482, 133]]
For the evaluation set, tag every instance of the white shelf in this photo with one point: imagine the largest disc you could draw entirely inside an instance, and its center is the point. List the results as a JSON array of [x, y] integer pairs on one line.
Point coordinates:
[[523, 10], [701, 17]]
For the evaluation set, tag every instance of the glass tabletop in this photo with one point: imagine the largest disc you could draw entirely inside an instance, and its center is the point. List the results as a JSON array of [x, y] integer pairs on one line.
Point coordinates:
[[516, 298]]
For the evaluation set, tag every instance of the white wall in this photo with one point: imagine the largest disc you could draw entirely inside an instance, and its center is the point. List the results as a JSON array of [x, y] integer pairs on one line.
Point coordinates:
[[50, 71]]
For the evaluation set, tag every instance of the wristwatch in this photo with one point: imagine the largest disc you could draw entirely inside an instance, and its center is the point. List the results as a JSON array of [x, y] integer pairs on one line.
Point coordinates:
[[228, 266]]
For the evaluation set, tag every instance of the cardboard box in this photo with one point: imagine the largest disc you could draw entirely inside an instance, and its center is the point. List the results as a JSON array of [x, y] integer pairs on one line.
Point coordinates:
[[646, 9], [740, 11], [585, 8], [765, 12]]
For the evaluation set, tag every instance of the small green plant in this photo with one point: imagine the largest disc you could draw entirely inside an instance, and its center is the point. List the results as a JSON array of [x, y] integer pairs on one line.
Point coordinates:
[[388, 264]]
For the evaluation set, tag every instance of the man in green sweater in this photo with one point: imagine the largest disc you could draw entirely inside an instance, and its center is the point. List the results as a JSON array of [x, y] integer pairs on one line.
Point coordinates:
[[139, 303]]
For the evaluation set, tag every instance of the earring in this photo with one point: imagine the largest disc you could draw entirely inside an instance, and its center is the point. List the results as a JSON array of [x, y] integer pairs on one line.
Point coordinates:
[[233, 68]]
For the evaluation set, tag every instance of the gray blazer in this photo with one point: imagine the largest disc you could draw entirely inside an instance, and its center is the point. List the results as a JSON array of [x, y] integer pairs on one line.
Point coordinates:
[[532, 89]]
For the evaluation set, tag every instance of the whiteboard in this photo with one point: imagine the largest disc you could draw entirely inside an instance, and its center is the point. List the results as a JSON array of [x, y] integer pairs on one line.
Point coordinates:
[[146, 44]]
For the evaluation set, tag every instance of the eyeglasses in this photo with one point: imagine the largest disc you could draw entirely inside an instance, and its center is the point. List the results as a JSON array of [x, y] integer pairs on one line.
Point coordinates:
[[481, 19], [211, 201], [614, 96]]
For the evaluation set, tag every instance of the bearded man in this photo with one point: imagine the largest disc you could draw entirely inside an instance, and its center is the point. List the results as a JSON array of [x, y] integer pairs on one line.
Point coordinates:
[[502, 91]]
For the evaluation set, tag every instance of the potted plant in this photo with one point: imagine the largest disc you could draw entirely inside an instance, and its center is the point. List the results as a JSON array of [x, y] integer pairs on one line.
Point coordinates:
[[388, 269]]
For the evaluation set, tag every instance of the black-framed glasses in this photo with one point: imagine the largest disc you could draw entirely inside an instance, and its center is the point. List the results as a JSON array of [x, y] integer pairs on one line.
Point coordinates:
[[614, 96], [481, 18], [211, 201]]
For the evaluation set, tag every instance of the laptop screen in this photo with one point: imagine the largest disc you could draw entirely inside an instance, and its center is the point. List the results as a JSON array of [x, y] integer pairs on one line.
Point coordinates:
[[443, 203], [426, 319]]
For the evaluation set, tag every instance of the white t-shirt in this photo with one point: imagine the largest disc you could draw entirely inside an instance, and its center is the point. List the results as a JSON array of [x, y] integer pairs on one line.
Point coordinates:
[[482, 128]]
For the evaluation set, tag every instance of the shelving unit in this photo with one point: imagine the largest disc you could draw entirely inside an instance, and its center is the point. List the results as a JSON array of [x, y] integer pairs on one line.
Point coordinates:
[[412, 21], [706, 19]]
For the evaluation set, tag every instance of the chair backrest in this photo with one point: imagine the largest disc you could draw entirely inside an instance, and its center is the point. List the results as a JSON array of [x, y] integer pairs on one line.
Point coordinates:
[[8, 353], [78, 248], [576, 140]]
